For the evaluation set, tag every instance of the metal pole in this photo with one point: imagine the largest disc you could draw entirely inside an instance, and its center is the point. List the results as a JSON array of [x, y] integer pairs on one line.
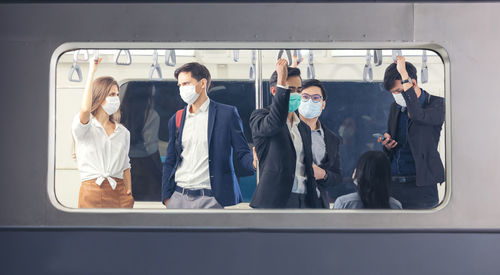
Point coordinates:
[[258, 81], [258, 93]]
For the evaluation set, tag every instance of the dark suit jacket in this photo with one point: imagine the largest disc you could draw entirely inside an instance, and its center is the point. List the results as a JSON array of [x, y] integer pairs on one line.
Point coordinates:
[[277, 156], [424, 130], [225, 135], [331, 164]]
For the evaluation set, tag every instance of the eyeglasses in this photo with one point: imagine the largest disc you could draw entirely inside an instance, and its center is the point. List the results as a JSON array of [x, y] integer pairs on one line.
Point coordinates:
[[295, 89], [315, 98]]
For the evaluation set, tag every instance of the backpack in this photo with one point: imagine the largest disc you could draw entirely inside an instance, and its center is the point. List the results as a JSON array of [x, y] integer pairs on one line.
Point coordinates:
[[178, 120]]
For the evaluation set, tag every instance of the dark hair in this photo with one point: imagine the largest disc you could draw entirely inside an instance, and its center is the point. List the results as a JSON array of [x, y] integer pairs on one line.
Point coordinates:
[[197, 71], [291, 72], [136, 107], [315, 83], [373, 174], [391, 74]]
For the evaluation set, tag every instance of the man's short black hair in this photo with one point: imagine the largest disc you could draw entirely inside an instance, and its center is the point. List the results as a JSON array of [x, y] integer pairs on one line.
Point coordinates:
[[392, 74], [291, 72], [316, 83], [197, 71]]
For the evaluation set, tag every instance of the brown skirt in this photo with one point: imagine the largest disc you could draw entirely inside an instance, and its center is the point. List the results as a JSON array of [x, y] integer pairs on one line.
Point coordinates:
[[95, 196]]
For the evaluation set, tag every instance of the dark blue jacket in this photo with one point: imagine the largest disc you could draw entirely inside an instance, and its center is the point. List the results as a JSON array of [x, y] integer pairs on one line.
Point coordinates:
[[424, 130], [225, 139]]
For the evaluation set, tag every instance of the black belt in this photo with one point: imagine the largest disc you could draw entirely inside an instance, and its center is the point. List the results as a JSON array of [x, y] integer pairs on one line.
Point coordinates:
[[194, 193], [404, 179]]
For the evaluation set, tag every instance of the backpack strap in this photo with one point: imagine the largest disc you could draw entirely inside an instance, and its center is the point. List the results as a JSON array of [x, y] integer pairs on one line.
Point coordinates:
[[178, 118]]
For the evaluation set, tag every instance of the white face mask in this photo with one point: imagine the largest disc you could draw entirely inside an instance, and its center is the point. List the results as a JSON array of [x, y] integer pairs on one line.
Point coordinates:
[[400, 100], [310, 109], [112, 105], [189, 94]]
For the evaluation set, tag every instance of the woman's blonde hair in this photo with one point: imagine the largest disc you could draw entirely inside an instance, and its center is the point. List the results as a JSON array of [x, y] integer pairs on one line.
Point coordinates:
[[100, 90]]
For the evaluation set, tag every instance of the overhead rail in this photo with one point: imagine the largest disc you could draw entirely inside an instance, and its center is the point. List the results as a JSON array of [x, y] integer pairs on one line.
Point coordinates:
[[236, 55], [368, 69], [288, 56], [310, 66], [128, 57], [155, 67], [377, 57], [75, 68], [253, 58], [170, 58], [424, 72]]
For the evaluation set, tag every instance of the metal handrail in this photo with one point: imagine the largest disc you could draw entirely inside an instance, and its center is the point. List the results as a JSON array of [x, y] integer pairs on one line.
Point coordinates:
[[127, 55], [310, 66], [253, 57], [377, 57], [155, 67], [424, 72], [368, 69], [288, 55], [170, 58], [85, 55], [236, 55], [396, 53], [75, 68]]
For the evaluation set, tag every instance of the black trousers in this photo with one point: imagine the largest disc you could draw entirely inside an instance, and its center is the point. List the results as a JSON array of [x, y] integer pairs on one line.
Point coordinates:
[[412, 196], [297, 201], [146, 177]]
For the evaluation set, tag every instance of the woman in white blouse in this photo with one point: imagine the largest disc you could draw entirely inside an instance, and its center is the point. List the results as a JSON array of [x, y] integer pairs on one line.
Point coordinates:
[[102, 145]]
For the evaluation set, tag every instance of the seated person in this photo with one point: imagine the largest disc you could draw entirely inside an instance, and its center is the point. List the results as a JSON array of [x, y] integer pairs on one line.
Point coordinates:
[[373, 181]]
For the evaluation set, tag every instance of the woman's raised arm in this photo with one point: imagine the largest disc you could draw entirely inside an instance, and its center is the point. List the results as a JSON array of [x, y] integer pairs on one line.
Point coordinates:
[[86, 106]]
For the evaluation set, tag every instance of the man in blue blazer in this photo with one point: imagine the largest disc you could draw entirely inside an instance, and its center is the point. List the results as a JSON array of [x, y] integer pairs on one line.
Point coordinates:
[[204, 136]]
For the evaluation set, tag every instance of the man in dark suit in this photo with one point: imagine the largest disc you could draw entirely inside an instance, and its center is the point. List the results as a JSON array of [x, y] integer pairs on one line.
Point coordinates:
[[283, 146], [198, 170], [414, 127], [325, 144]]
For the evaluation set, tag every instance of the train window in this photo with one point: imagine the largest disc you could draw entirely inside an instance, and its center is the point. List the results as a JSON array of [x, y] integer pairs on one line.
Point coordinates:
[[358, 109]]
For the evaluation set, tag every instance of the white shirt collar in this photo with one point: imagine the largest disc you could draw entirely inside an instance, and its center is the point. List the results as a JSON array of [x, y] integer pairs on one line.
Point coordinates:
[[203, 108], [96, 123]]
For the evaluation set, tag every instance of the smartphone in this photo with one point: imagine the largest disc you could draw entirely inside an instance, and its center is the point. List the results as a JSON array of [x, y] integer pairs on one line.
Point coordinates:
[[377, 135]]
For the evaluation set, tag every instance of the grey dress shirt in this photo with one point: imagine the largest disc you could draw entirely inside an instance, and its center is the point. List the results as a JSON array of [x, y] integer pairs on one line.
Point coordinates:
[[318, 144]]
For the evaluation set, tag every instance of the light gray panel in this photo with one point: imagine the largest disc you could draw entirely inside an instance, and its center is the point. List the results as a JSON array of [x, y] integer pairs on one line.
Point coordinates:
[[469, 32]]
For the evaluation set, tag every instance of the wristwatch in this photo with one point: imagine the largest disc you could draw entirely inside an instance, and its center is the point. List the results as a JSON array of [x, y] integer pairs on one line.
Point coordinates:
[[407, 80], [326, 176]]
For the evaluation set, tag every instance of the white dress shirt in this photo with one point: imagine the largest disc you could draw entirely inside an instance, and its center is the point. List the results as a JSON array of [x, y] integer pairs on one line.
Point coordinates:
[[299, 182], [98, 155], [193, 171]]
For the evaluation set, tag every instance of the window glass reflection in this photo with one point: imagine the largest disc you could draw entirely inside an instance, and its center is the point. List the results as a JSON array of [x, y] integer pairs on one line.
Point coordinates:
[[307, 159]]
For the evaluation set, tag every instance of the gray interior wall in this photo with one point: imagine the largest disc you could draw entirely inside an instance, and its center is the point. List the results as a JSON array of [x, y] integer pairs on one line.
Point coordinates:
[[31, 33]]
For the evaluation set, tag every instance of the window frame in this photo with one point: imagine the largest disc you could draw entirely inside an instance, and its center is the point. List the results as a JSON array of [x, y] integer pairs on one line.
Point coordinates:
[[261, 218]]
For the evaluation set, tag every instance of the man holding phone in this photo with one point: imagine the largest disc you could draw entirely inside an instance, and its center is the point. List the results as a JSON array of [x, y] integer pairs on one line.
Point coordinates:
[[414, 128]]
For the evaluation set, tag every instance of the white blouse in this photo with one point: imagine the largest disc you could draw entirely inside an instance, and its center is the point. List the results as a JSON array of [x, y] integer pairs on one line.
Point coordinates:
[[100, 156]]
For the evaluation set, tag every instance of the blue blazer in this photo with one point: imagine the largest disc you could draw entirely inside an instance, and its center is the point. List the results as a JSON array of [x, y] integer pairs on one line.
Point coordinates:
[[225, 140]]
